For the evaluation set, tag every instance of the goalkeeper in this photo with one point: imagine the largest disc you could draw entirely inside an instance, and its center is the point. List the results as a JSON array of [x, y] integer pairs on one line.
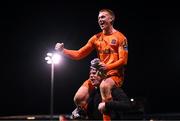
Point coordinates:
[[111, 46]]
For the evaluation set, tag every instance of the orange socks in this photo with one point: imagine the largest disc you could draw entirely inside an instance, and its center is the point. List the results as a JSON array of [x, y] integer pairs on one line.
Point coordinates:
[[106, 117]]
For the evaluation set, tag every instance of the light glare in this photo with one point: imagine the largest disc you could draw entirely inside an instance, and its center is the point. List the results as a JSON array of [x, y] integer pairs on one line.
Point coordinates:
[[47, 58], [49, 54], [49, 62], [53, 58], [56, 58]]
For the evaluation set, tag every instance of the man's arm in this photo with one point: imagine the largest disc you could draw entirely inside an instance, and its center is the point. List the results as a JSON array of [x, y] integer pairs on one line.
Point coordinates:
[[120, 102], [117, 105], [77, 54], [123, 56]]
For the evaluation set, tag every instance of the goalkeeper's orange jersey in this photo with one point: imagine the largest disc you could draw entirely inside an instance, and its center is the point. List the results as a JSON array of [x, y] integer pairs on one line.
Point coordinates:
[[111, 49]]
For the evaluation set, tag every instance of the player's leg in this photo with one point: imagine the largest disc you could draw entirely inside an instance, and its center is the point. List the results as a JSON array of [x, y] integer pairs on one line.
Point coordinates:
[[81, 98], [106, 88]]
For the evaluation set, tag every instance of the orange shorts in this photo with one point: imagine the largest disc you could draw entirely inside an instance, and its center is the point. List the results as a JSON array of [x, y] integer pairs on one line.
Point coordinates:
[[118, 82]]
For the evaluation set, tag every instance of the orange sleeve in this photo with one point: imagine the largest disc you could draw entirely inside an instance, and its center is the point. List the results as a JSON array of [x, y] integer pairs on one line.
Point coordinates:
[[82, 52], [123, 56]]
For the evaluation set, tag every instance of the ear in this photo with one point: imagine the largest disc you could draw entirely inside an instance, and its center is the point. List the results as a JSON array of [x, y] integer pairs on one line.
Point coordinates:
[[111, 19]]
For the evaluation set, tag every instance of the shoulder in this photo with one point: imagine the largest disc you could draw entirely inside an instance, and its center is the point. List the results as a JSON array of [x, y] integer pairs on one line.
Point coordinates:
[[98, 35], [121, 38], [95, 37], [120, 35]]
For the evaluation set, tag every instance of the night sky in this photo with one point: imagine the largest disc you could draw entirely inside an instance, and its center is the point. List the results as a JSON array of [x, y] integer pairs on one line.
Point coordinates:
[[31, 29]]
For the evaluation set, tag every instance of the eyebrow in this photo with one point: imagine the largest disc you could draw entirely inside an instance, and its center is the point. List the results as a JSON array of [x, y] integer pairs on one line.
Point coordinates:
[[101, 16]]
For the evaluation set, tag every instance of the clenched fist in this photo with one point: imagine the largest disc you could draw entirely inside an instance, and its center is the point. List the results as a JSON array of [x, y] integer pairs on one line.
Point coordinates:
[[59, 47]]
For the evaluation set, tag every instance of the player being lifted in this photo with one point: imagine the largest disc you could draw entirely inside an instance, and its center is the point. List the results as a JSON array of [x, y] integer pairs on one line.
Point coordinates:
[[111, 46]]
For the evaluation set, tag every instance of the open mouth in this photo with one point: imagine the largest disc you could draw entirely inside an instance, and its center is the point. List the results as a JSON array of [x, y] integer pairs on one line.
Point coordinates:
[[101, 24]]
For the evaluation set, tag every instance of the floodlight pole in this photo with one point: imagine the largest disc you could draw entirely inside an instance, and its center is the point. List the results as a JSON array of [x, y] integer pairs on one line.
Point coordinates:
[[52, 91], [52, 58]]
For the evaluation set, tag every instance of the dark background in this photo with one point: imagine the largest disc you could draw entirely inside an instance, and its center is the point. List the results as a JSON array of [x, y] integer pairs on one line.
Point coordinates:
[[31, 29]]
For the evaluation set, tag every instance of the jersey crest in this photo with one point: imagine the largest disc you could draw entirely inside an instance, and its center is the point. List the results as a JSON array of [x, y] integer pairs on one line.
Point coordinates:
[[113, 42]]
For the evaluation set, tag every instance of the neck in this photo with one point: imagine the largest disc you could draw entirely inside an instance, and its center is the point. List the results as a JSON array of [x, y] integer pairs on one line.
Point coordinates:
[[109, 30]]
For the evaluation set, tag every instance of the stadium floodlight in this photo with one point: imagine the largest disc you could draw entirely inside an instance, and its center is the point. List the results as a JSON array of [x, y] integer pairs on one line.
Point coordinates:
[[53, 59]]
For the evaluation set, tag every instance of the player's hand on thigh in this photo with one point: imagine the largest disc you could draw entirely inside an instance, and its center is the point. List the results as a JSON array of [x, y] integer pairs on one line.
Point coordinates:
[[101, 107]]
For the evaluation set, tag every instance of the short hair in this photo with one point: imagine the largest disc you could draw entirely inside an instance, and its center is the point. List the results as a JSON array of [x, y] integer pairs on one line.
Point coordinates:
[[110, 12]]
